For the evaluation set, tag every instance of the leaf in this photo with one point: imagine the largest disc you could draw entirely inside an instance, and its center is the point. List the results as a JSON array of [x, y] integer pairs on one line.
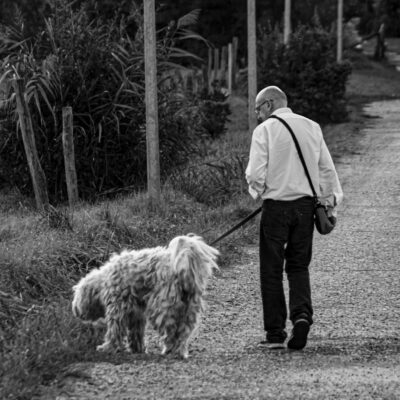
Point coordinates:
[[190, 18], [177, 52], [185, 34]]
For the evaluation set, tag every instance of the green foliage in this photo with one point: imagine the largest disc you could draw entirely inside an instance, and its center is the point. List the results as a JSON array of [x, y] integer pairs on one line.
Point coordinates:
[[213, 182], [307, 71], [215, 112], [373, 14], [31, 10], [389, 10], [98, 69]]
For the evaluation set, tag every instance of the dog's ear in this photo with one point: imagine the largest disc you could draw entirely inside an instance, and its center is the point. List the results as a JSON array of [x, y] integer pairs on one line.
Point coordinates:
[[192, 263], [176, 245]]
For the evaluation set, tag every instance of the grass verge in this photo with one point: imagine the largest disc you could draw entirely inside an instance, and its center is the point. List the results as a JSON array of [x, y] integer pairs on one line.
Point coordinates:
[[42, 256]]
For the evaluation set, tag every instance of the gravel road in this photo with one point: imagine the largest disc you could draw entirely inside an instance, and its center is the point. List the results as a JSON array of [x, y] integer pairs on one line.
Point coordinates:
[[354, 345]]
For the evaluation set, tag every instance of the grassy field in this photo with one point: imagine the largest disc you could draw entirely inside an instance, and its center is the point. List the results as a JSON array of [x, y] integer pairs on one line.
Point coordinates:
[[42, 256]]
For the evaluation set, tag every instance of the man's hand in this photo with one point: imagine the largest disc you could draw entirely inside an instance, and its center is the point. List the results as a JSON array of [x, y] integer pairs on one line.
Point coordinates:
[[331, 213]]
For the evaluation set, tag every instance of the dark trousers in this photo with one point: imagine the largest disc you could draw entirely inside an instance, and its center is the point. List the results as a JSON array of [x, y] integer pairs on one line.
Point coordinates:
[[286, 233]]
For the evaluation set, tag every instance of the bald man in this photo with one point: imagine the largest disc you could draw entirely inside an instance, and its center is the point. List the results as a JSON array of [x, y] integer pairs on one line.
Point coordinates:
[[276, 176]]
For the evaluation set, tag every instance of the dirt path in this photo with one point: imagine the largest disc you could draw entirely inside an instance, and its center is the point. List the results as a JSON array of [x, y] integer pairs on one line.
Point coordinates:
[[354, 346]]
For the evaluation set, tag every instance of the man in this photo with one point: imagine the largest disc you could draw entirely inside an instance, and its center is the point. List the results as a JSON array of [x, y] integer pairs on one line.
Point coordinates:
[[275, 175]]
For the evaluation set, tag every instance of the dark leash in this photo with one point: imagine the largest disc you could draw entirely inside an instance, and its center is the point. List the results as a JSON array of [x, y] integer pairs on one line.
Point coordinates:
[[237, 226]]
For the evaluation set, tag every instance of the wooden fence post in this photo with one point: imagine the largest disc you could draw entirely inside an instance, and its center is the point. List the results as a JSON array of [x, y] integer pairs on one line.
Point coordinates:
[[235, 43], [151, 99], [37, 175], [251, 62], [69, 155], [287, 27], [339, 49], [224, 55], [230, 68], [210, 69], [216, 64]]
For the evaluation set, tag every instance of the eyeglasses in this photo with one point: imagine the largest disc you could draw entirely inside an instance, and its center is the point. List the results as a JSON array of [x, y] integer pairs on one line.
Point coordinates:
[[257, 109]]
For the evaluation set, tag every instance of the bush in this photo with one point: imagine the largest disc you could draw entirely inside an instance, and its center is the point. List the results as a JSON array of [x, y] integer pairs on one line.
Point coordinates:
[[215, 111], [307, 71], [98, 69], [214, 182]]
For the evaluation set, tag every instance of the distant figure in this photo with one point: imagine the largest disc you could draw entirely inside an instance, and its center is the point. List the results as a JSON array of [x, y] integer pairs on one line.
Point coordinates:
[[275, 175]]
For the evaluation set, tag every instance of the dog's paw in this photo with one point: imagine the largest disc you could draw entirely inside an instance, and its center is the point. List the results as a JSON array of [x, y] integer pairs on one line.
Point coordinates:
[[184, 355]]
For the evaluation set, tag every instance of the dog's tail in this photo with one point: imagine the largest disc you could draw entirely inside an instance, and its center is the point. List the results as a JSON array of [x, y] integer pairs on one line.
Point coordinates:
[[87, 303], [193, 261]]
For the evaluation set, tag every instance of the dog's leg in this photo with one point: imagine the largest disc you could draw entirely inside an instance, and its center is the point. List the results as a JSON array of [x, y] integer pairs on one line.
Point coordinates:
[[177, 341], [169, 337], [188, 326], [116, 328], [136, 329], [185, 332], [179, 332]]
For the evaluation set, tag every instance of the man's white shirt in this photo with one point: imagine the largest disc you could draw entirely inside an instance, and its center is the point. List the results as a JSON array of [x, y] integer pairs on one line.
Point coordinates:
[[275, 170]]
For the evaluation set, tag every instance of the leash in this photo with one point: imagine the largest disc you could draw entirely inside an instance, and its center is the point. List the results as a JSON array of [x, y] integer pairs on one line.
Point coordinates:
[[249, 217]]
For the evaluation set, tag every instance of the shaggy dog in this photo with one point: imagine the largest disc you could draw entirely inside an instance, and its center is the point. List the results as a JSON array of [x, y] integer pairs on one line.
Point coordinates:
[[162, 285]]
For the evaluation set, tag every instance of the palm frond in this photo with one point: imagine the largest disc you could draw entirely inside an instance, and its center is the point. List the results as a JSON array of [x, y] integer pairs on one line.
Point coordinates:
[[190, 18], [177, 52], [186, 34]]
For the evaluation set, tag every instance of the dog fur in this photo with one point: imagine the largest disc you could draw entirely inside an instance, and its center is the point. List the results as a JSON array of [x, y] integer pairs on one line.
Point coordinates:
[[162, 285]]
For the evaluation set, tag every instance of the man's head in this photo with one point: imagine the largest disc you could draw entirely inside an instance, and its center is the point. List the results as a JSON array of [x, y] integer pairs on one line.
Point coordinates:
[[268, 100]]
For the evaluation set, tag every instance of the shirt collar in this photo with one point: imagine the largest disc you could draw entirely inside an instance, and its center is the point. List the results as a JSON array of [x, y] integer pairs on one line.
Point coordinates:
[[282, 110]]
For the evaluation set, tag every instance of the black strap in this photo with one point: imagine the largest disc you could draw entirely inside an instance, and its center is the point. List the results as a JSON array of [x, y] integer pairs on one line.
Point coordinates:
[[298, 151], [237, 226]]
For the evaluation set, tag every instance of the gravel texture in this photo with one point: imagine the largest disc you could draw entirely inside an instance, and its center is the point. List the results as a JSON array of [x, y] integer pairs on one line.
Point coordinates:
[[354, 345]]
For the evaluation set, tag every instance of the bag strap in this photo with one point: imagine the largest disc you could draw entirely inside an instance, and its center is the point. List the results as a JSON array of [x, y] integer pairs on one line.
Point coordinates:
[[299, 152]]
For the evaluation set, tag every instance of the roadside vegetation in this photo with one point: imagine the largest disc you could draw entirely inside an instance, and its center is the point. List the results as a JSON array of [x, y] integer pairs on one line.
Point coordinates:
[[204, 149]]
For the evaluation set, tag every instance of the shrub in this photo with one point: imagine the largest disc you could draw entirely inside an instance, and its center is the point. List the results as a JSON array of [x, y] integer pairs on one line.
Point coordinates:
[[98, 69], [215, 112], [214, 182], [307, 71]]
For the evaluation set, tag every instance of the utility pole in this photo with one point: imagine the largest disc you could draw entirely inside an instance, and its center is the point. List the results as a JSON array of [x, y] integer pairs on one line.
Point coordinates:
[[287, 26], [339, 55], [252, 62], [152, 141]]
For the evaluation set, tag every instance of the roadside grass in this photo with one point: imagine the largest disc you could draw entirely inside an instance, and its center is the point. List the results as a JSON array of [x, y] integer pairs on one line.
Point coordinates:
[[43, 255], [40, 262]]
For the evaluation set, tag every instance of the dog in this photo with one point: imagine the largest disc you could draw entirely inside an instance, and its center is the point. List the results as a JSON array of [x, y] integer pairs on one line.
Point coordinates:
[[163, 286]]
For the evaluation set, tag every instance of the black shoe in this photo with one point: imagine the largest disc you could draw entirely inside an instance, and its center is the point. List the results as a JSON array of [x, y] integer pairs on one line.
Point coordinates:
[[298, 338], [266, 344]]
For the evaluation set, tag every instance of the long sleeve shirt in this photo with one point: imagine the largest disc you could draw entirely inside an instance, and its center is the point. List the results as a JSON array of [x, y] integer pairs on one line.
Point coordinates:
[[275, 171]]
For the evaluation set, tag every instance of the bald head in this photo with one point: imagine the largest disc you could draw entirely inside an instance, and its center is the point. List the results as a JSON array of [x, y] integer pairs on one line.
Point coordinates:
[[272, 93]]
